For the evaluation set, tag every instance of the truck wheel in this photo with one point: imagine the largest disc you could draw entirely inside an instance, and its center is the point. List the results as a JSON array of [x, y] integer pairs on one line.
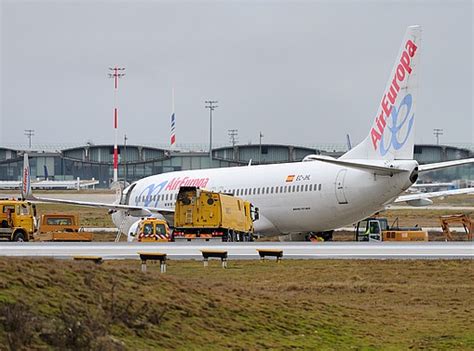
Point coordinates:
[[19, 236]]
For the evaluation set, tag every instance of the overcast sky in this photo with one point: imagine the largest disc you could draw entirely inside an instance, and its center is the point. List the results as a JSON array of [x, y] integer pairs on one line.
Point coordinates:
[[302, 72]]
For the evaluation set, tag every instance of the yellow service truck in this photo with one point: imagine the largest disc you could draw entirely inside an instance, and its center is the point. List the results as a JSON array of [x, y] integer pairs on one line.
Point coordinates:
[[207, 215], [17, 220], [153, 230], [18, 223]]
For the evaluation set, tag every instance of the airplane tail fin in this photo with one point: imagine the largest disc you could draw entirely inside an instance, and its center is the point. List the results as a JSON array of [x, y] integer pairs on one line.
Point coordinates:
[[392, 133], [26, 179]]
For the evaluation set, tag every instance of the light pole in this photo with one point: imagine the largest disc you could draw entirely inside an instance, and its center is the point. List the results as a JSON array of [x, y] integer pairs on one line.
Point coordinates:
[[260, 148], [125, 160], [233, 135], [29, 134], [117, 72], [437, 132], [210, 104]]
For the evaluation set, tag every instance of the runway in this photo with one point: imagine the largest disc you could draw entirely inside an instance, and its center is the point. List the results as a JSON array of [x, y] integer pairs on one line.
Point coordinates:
[[191, 250]]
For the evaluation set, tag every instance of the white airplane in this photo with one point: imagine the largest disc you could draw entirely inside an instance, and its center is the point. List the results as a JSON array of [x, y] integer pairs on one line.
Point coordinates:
[[318, 194]]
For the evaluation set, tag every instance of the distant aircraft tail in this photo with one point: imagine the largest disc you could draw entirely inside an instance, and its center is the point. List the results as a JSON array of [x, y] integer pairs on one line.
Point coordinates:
[[26, 179], [392, 134]]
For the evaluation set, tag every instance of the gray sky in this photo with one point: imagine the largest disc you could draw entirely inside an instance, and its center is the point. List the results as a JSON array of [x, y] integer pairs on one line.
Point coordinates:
[[301, 72]]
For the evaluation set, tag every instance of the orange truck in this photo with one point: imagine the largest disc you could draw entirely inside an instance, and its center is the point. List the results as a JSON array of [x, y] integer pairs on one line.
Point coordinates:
[[18, 223], [61, 227]]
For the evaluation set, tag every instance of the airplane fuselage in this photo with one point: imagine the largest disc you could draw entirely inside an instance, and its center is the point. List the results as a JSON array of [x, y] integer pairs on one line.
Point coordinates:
[[292, 197]]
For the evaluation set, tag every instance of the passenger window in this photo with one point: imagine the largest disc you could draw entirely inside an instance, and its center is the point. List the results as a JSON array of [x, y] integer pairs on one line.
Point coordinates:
[[306, 187], [268, 190], [271, 190], [276, 190], [319, 187], [254, 191], [258, 191]]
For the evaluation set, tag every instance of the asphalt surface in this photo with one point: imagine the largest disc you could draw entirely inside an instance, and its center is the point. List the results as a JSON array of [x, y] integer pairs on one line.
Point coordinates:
[[192, 250]]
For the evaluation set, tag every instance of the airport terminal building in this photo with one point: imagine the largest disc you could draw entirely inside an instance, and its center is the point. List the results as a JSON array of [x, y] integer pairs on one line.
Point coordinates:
[[135, 162]]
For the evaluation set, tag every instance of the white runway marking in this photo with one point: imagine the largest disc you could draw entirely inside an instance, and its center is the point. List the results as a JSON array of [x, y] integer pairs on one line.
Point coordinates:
[[430, 250]]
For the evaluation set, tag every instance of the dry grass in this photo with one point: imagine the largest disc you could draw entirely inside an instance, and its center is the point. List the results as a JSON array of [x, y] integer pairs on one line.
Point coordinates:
[[298, 304]]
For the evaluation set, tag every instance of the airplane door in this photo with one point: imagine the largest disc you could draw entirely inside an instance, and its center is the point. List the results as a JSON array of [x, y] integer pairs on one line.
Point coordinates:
[[340, 195]]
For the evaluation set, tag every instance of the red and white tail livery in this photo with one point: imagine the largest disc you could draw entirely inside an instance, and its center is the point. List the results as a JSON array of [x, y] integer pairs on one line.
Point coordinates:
[[392, 134]]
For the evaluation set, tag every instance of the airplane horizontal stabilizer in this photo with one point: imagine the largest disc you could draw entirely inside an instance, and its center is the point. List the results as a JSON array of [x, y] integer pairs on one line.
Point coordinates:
[[440, 165], [379, 170]]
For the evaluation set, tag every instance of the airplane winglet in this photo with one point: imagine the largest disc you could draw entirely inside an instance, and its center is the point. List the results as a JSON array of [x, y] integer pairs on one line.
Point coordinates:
[[26, 180]]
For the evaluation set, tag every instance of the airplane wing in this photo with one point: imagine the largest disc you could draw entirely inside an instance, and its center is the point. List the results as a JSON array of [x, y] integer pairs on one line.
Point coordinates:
[[27, 194], [134, 210], [424, 199], [440, 165]]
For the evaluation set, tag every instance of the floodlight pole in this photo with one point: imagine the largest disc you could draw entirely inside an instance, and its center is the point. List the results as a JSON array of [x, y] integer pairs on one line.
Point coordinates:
[[125, 159], [29, 134], [233, 133], [117, 72], [210, 104], [437, 132]]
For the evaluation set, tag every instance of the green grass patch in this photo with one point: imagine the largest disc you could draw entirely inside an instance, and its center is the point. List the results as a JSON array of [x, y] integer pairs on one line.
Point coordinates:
[[298, 304]]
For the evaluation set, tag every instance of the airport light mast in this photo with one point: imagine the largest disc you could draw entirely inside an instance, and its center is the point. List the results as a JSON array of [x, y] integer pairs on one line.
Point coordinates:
[[210, 104], [437, 132], [116, 73], [29, 134], [233, 136]]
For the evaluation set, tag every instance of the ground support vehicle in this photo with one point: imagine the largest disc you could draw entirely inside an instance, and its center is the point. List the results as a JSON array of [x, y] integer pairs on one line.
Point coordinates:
[[464, 219], [61, 227], [153, 230], [377, 229], [207, 215], [17, 220]]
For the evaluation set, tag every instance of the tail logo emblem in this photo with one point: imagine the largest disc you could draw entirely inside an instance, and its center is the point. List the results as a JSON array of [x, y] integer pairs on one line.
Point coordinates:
[[396, 127], [402, 72]]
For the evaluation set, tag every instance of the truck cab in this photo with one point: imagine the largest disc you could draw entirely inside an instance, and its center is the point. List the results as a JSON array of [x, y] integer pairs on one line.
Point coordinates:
[[370, 229], [153, 230], [17, 220]]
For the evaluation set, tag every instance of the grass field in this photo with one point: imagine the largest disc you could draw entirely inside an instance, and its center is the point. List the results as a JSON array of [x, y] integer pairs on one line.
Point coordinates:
[[298, 304]]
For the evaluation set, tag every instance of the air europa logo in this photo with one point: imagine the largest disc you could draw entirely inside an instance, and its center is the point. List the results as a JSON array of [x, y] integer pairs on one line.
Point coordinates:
[[149, 195], [26, 180], [176, 183], [401, 73], [397, 126]]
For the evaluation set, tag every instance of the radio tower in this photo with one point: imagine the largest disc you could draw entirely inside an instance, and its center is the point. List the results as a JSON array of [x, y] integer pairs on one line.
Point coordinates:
[[116, 73]]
